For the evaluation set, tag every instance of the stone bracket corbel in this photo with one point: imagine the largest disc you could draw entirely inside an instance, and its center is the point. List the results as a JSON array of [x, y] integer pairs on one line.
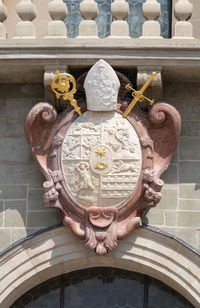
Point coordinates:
[[49, 74], [155, 89]]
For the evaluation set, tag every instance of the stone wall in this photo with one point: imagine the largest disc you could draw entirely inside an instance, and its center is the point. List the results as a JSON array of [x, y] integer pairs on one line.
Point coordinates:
[[22, 210], [179, 210]]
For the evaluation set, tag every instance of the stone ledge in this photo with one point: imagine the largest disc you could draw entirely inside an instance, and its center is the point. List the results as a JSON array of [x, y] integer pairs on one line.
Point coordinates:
[[72, 48], [130, 43], [27, 59]]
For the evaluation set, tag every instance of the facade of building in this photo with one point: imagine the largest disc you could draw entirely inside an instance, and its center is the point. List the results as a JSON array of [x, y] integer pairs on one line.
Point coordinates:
[[36, 39]]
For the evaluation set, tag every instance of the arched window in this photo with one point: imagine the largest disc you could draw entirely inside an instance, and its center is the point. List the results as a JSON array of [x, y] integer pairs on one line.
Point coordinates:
[[102, 287]]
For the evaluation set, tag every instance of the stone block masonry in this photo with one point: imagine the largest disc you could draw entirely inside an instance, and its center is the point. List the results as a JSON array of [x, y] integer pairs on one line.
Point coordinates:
[[179, 210], [22, 210]]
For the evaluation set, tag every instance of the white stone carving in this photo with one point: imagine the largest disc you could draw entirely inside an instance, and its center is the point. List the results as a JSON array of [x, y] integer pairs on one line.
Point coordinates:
[[88, 27], [120, 11], [101, 159], [26, 10], [58, 11], [85, 179], [151, 11], [183, 27], [101, 87]]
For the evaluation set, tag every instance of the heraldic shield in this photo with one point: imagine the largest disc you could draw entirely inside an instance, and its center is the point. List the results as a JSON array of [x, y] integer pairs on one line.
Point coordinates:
[[102, 169]]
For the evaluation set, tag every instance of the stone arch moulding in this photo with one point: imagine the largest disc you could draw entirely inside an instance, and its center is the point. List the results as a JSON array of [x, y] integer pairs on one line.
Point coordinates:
[[57, 251]]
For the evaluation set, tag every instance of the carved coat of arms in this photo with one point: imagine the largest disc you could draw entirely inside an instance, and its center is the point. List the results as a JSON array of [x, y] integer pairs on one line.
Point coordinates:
[[102, 169]]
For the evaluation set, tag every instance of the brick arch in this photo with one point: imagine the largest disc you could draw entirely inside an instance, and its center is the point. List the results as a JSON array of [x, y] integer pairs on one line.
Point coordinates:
[[57, 251]]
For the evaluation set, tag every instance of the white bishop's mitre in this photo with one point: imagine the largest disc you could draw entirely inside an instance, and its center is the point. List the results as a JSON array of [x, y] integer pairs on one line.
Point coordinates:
[[101, 87]]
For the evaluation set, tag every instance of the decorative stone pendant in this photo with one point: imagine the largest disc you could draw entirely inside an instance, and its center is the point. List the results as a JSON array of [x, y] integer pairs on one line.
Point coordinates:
[[102, 169]]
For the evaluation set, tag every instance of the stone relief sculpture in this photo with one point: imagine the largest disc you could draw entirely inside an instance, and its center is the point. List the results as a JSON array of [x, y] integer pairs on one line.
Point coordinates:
[[103, 158], [101, 87], [102, 170]]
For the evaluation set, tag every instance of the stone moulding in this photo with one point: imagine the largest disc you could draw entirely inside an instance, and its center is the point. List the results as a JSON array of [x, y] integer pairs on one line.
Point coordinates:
[[55, 252], [158, 132]]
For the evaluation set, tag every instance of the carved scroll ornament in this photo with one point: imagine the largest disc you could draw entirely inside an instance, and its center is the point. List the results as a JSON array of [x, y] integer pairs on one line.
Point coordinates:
[[102, 170]]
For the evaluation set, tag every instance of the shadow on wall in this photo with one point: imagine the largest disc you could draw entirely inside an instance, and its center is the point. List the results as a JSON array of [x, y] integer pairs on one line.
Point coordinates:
[[22, 210]]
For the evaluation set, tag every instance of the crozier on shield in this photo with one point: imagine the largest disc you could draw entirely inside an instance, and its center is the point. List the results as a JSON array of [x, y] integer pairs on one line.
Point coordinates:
[[102, 169]]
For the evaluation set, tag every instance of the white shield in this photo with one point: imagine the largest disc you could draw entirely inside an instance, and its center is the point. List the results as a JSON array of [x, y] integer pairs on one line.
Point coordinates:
[[101, 159]]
